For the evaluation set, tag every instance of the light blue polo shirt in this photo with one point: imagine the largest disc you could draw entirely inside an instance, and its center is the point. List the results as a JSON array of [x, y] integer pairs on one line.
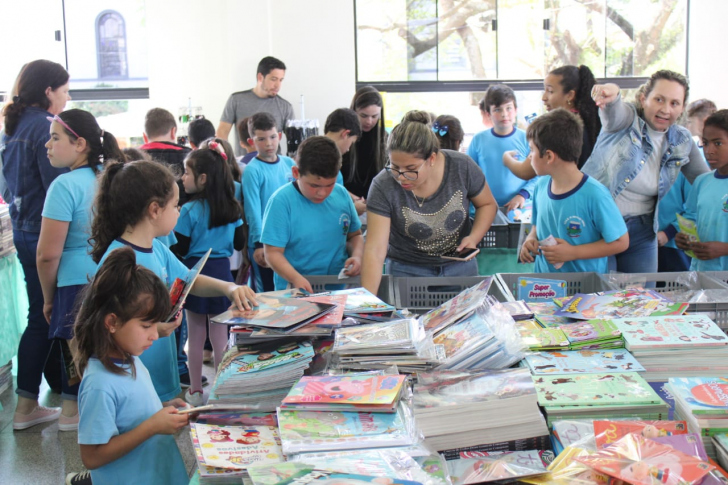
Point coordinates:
[[194, 222], [708, 206]]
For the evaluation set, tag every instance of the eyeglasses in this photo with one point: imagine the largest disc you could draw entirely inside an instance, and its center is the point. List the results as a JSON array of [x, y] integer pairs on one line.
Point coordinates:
[[408, 174], [58, 120]]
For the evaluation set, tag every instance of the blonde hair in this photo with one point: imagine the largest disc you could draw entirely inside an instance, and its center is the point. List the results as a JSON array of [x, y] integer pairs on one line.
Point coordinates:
[[414, 135]]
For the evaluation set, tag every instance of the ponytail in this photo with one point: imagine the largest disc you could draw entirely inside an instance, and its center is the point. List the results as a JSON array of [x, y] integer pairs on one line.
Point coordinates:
[[587, 107], [101, 144], [219, 190]]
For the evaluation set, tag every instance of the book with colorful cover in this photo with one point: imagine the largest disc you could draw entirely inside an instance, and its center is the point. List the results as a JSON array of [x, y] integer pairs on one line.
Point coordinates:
[[518, 309], [540, 289], [690, 229], [574, 432], [361, 300], [506, 466], [181, 288], [334, 317], [688, 443], [396, 332], [345, 393], [631, 302], [313, 431], [559, 302], [574, 390], [276, 313], [460, 338], [543, 307], [670, 332], [306, 330], [237, 419], [607, 432], [591, 331], [539, 338], [642, 461], [262, 357], [454, 309], [565, 470], [583, 362], [234, 448], [331, 477], [702, 396], [665, 394], [552, 321], [275, 473]]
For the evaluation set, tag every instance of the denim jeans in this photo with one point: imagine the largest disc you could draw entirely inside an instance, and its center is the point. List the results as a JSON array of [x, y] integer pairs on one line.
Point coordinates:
[[454, 268], [641, 255], [672, 259], [180, 334], [35, 351]]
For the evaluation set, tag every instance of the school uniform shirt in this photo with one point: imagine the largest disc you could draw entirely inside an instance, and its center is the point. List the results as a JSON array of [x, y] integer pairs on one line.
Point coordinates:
[[583, 215], [487, 150], [313, 235], [161, 358], [260, 181], [70, 198], [111, 404], [194, 222], [708, 206]]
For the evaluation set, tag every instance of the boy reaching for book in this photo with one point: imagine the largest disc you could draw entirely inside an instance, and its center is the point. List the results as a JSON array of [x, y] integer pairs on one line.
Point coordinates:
[[310, 226], [569, 205], [707, 204]]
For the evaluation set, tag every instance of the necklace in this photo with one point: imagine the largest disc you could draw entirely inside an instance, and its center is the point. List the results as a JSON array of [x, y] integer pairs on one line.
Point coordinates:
[[420, 204]]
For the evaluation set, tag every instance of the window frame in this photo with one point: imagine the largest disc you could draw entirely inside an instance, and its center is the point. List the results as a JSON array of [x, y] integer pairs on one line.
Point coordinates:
[[97, 33]]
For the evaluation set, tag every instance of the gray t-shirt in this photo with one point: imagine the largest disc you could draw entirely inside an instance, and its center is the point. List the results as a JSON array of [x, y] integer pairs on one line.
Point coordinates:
[[246, 103], [420, 235]]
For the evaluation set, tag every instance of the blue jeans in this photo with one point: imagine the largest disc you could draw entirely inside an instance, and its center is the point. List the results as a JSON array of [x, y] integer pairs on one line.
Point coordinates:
[[454, 268], [641, 255], [180, 334], [672, 259], [36, 351]]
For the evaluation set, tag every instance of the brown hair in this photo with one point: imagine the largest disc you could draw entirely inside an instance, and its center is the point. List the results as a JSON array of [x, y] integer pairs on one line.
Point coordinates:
[[453, 132], [232, 162], [127, 290], [414, 135], [157, 122], [102, 145], [364, 97], [559, 131], [666, 76]]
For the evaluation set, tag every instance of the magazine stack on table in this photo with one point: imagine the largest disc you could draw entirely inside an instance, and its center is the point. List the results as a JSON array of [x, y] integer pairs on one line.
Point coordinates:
[[582, 362], [632, 302], [497, 467], [479, 411]]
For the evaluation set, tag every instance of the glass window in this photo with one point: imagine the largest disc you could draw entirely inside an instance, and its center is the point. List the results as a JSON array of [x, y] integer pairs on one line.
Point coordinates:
[[111, 46], [123, 118]]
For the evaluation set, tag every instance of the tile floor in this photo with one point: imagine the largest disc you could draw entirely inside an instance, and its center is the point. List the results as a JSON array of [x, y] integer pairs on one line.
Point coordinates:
[[42, 455]]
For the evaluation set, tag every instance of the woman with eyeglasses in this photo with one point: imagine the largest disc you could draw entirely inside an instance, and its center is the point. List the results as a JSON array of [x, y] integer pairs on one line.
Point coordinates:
[[41, 91], [417, 209]]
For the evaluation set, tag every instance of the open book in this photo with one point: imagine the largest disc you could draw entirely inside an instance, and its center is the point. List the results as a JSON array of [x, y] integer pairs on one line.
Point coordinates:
[[181, 288]]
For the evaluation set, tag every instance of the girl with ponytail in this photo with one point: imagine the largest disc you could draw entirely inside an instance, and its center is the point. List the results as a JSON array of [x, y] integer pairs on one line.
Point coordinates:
[[64, 264]]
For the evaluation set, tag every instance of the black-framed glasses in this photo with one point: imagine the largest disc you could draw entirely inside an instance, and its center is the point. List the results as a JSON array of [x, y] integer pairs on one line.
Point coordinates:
[[408, 174]]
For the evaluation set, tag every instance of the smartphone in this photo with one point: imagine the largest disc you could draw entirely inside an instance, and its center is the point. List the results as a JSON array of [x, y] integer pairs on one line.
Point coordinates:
[[464, 255]]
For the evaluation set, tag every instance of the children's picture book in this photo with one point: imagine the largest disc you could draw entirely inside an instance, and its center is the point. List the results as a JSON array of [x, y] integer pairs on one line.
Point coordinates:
[[564, 470], [235, 447], [454, 309], [276, 313], [582, 362], [539, 338], [467, 334], [346, 393], [275, 473], [665, 394], [518, 309], [181, 288], [642, 461], [452, 388], [552, 321], [702, 396], [543, 307], [361, 300], [670, 332], [263, 356], [574, 432], [237, 419], [506, 466], [607, 432], [631, 302], [688, 443], [310, 475], [591, 332], [594, 389], [386, 334], [540, 289], [334, 317], [690, 229]]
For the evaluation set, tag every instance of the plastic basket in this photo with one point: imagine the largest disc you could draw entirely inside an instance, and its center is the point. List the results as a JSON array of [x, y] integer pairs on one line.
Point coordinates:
[[319, 284], [420, 294], [501, 232], [665, 282], [575, 282]]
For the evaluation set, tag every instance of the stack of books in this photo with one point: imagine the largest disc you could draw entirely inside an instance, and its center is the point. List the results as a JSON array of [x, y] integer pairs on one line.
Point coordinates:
[[479, 411], [676, 346], [582, 362], [598, 396], [592, 335], [703, 403], [453, 310], [225, 452], [363, 305], [499, 468], [257, 377], [631, 302]]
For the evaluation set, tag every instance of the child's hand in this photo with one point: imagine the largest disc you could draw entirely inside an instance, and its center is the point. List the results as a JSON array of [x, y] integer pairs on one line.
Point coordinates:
[[168, 421], [360, 204], [165, 329], [243, 297], [709, 250], [515, 203], [682, 241], [259, 257], [176, 403], [561, 253], [353, 266], [604, 94], [509, 157], [301, 282], [528, 250], [661, 238]]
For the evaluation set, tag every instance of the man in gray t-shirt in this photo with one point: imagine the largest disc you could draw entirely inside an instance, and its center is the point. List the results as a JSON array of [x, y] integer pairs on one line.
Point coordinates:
[[262, 98]]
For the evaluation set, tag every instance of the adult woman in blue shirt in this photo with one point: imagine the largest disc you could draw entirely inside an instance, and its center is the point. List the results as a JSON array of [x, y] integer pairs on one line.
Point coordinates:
[[42, 91], [638, 156]]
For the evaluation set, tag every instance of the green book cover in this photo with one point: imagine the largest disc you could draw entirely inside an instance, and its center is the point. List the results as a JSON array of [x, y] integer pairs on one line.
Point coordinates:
[[594, 390], [591, 331]]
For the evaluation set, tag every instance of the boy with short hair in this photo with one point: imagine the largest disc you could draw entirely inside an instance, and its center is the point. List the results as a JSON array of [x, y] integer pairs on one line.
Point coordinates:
[[310, 226], [574, 208], [200, 130], [343, 127], [244, 136], [265, 174], [487, 148]]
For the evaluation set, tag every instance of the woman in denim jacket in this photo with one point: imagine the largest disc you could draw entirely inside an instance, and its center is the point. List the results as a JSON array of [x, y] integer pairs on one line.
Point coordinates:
[[41, 91], [638, 156]]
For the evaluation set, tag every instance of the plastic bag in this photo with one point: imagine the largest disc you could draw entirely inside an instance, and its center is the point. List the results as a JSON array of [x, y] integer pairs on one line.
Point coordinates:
[[497, 467]]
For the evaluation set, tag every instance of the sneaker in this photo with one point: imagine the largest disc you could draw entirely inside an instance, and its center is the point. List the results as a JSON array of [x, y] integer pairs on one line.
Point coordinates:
[[40, 414], [195, 398], [206, 356], [66, 423], [82, 478], [184, 380]]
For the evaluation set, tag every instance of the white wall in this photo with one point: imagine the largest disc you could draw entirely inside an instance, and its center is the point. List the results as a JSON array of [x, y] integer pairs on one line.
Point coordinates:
[[707, 67], [208, 50]]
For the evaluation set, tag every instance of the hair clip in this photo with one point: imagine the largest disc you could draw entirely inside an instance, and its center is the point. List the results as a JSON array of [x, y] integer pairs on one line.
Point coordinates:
[[215, 146], [439, 129]]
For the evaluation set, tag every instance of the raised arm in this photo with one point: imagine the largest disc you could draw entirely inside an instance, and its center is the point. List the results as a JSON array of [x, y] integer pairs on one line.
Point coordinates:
[[614, 113]]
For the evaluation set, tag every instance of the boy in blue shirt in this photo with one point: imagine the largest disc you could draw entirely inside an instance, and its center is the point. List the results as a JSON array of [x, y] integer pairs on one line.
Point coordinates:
[[311, 226], [707, 204], [488, 147], [264, 174], [343, 127], [574, 208]]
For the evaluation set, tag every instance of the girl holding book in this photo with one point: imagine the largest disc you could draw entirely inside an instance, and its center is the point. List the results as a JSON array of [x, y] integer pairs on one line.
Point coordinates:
[[211, 219], [125, 434], [136, 222]]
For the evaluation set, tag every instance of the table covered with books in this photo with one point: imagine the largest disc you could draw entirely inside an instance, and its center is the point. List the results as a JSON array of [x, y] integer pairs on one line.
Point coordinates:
[[569, 379]]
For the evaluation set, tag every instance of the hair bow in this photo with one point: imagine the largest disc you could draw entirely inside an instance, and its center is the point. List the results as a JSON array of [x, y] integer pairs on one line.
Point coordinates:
[[215, 146], [439, 129]]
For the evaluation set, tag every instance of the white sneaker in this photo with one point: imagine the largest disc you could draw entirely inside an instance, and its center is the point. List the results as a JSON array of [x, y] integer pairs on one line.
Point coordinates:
[[195, 398]]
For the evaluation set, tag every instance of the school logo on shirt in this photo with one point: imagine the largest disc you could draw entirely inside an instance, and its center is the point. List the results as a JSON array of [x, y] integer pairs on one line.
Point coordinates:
[[725, 203], [345, 222], [574, 225]]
